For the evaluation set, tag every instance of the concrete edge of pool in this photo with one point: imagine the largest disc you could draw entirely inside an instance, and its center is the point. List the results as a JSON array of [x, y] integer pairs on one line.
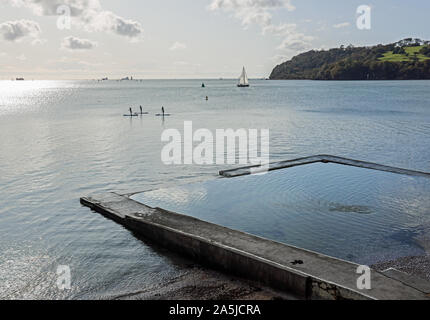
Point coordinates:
[[318, 158], [306, 274]]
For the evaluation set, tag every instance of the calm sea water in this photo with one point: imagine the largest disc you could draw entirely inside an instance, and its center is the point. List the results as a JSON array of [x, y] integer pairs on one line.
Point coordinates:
[[62, 140]]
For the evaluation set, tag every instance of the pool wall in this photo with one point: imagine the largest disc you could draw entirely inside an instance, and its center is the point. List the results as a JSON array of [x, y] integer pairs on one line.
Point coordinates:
[[319, 158]]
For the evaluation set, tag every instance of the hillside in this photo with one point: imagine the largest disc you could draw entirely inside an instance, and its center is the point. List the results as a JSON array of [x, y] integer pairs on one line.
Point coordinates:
[[403, 60]]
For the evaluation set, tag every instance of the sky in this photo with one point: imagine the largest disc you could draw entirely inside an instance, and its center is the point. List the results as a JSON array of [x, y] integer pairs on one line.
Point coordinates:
[[173, 39]]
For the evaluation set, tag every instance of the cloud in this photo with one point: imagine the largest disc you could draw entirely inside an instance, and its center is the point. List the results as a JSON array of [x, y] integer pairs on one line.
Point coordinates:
[[22, 57], [259, 12], [252, 11], [254, 16], [109, 21], [178, 46], [341, 25], [283, 30], [73, 43], [86, 14], [279, 58], [16, 30], [297, 43], [255, 4], [293, 40], [49, 7]]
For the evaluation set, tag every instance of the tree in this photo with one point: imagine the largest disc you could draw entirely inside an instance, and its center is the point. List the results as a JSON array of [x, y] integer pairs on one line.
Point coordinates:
[[425, 51], [399, 50]]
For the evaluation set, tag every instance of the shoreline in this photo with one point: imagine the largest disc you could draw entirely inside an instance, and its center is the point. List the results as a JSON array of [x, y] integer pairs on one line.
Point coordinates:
[[201, 283]]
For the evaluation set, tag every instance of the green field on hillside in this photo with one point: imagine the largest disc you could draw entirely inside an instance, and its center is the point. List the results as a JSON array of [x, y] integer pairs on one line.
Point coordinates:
[[410, 53]]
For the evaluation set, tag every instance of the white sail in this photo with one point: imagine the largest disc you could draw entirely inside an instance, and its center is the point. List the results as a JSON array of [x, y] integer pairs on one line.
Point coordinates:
[[243, 80]]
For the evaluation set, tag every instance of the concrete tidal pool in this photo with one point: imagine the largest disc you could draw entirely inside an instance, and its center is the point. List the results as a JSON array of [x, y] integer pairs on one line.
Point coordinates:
[[256, 225]]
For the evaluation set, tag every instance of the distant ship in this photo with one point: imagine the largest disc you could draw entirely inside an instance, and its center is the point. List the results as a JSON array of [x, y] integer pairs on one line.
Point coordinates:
[[19, 79], [243, 80]]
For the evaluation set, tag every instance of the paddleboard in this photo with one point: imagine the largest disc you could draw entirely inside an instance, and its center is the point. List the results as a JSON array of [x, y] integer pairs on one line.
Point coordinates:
[[161, 115], [131, 115]]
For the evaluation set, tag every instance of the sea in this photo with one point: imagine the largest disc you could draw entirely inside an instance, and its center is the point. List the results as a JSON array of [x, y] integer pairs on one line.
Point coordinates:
[[61, 140]]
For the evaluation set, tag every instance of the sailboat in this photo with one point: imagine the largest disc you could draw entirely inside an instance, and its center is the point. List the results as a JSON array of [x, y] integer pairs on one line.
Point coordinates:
[[243, 80]]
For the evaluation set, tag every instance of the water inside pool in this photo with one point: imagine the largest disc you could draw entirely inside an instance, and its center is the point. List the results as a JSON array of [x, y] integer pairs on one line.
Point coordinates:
[[351, 213]]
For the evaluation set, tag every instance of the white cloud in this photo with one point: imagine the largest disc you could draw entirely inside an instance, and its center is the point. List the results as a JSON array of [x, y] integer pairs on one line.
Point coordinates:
[[279, 58], [16, 30], [22, 57], [281, 29], [73, 43], [259, 12], [252, 11], [178, 46], [256, 4], [109, 21], [293, 40], [295, 44], [49, 7], [87, 14], [341, 25]]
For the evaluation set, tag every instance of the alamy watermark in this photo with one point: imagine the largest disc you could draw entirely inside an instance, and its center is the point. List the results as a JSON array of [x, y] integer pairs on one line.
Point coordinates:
[[64, 278], [364, 281], [64, 21], [225, 146], [364, 17]]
